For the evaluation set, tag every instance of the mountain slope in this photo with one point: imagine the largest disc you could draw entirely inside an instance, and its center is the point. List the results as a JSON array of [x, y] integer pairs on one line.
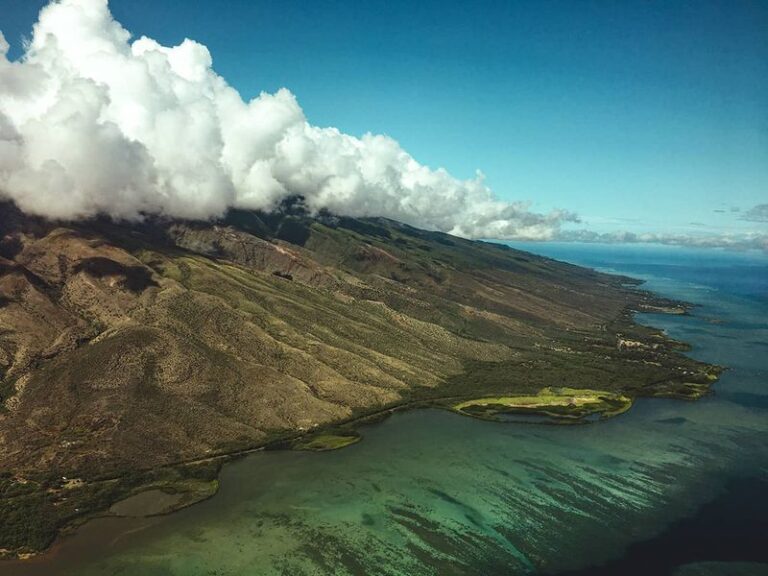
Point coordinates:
[[128, 347]]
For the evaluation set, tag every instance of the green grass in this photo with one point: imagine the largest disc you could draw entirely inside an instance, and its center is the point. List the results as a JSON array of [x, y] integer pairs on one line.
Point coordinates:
[[557, 402], [325, 442]]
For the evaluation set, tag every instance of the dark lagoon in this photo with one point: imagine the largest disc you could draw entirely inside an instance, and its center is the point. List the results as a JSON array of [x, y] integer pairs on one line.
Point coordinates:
[[671, 487]]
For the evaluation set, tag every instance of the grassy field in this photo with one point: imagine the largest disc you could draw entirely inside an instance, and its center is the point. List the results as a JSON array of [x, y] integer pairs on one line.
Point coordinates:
[[325, 442], [555, 402]]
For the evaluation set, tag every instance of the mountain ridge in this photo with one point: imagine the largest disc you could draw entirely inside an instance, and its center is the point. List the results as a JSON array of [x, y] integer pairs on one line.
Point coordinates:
[[129, 347]]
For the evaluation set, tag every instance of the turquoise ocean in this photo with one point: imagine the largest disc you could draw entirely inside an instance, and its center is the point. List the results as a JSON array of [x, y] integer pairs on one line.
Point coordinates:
[[671, 487]]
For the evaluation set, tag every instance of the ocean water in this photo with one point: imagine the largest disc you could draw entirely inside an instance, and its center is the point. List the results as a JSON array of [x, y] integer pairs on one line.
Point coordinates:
[[671, 487]]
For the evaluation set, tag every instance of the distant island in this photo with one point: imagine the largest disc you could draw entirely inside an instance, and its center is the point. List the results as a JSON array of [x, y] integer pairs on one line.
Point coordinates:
[[141, 356]]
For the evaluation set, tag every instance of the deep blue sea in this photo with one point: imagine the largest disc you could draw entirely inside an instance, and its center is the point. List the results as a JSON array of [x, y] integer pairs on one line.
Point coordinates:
[[670, 488]]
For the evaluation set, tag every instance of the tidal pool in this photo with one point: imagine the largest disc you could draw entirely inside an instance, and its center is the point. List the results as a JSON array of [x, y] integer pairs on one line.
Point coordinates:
[[433, 493]]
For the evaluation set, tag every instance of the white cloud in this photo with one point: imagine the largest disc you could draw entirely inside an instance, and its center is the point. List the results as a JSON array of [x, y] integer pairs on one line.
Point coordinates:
[[91, 123], [734, 241]]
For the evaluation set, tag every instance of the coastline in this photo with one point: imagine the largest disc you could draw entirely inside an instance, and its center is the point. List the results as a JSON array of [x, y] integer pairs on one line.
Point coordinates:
[[208, 468]]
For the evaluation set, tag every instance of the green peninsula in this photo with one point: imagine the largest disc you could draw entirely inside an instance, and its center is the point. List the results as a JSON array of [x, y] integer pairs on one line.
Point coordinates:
[[568, 403]]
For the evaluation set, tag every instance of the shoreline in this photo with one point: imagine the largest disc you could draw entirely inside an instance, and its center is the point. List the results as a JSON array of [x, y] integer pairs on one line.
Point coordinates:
[[638, 301]]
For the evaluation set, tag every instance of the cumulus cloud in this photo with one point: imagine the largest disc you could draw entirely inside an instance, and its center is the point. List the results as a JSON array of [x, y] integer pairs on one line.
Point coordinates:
[[757, 213], [93, 122], [736, 241]]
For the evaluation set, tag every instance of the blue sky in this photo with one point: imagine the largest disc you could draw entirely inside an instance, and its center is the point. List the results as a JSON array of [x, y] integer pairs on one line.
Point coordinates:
[[639, 116]]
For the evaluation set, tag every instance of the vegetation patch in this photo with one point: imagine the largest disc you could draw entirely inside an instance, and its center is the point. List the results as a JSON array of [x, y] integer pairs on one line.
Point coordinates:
[[570, 403], [34, 511], [325, 442]]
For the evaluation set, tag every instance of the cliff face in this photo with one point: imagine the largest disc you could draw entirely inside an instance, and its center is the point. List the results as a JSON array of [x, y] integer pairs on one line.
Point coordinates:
[[127, 347]]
